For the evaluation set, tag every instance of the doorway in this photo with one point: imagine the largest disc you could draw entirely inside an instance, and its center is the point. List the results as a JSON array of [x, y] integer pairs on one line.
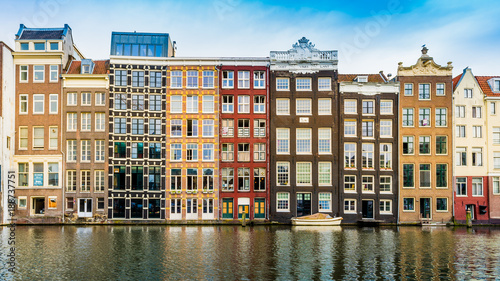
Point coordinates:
[[367, 208], [425, 208], [38, 205], [85, 207], [303, 204], [471, 208]]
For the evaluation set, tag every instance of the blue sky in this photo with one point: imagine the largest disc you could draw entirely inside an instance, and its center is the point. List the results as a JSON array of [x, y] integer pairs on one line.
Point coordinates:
[[370, 35]]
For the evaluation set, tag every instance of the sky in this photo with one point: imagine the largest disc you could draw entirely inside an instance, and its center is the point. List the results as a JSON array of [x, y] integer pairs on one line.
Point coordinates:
[[370, 35]]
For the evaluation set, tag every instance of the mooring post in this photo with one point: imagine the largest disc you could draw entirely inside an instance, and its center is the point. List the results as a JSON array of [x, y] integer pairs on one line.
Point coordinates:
[[468, 218], [244, 222]]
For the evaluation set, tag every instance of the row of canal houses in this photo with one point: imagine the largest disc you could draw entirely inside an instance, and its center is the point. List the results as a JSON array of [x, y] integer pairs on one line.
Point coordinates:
[[148, 136]]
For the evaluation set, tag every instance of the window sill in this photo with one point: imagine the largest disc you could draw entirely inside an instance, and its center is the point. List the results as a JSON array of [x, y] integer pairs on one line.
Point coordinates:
[[409, 211]]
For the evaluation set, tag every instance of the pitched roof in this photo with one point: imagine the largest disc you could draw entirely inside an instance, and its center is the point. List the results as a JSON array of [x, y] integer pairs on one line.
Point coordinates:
[[483, 83], [456, 80], [100, 67], [376, 78], [42, 34]]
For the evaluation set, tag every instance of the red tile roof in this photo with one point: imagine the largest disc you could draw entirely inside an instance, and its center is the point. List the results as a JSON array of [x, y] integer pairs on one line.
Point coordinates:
[[483, 83], [376, 78], [455, 81], [100, 67]]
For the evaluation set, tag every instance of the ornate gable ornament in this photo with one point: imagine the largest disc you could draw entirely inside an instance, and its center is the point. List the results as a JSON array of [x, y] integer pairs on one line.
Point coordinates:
[[304, 58], [425, 66]]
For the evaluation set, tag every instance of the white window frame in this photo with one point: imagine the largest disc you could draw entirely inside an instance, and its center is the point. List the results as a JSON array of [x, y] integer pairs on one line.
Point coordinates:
[[303, 84], [72, 121], [23, 99], [259, 79], [324, 197], [52, 137], [385, 128], [227, 79], [72, 99], [280, 136], [174, 78], [324, 173], [282, 84], [208, 102], [324, 84], [190, 78], [177, 101], [35, 103], [100, 121], [51, 101], [207, 79], [71, 150], [192, 104], [306, 171], [243, 79], [324, 106], [352, 203], [100, 99], [325, 135], [100, 151], [303, 106], [227, 107], [282, 198], [86, 123], [21, 71], [383, 204], [243, 104], [51, 72], [86, 151], [348, 126], [42, 137], [35, 70], [303, 141], [279, 106], [386, 107]]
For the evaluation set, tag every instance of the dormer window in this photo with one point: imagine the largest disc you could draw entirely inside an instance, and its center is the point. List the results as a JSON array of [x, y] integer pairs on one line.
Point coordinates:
[[86, 69], [39, 46], [54, 46], [362, 79], [87, 66], [496, 85], [25, 46]]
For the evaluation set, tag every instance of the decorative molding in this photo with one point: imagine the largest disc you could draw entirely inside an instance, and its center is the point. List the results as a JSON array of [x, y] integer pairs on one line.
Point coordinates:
[[425, 66]]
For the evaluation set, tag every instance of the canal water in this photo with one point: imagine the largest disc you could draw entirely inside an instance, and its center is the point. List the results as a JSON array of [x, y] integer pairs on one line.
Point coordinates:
[[251, 253]]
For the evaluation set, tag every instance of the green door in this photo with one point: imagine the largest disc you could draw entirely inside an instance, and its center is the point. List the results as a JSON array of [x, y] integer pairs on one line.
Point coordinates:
[[259, 208], [227, 208]]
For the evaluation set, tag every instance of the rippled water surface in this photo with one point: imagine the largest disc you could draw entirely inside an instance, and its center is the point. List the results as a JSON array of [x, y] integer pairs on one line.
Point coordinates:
[[251, 253]]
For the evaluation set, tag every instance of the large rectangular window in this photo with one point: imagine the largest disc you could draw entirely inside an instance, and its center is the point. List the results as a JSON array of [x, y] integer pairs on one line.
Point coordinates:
[[154, 150], [244, 179], [227, 79], [303, 107], [208, 152], [477, 186], [85, 150], [119, 178], [227, 127], [38, 104], [227, 179], [461, 186], [243, 79], [120, 101], [120, 78], [208, 180], [243, 104], [137, 150], [137, 78], [282, 140], [70, 180], [38, 73], [154, 102], [477, 156], [349, 155], [408, 147], [324, 140], [303, 141], [243, 128], [155, 79], [191, 104], [408, 175], [282, 84], [407, 117], [192, 152], [208, 104], [137, 177], [259, 79], [424, 117], [425, 175], [424, 92], [304, 173], [227, 104], [208, 128], [441, 175], [441, 117], [208, 78], [138, 102], [259, 104], [175, 180], [367, 128], [385, 183], [325, 202], [176, 79], [137, 126], [155, 127], [192, 180], [324, 173], [175, 152], [259, 152], [282, 106], [71, 150], [283, 173], [86, 121], [385, 156], [85, 180], [324, 106], [303, 84], [192, 79], [282, 202], [349, 128], [259, 179], [461, 156], [38, 137], [349, 183], [367, 155], [424, 145], [441, 145], [243, 152]]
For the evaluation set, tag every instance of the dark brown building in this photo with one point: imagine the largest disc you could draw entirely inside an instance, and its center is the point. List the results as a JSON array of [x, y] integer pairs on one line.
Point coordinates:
[[304, 142]]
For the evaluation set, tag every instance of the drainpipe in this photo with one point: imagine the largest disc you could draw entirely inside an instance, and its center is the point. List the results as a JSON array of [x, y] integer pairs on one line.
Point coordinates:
[[63, 166]]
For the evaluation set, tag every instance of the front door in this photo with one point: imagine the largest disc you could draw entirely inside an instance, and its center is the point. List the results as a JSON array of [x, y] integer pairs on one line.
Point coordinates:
[[85, 207], [425, 208], [259, 208], [367, 206], [470, 207], [243, 209], [227, 208], [303, 204]]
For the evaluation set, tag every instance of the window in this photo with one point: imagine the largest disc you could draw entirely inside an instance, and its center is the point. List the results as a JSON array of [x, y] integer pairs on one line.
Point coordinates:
[[243, 104], [259, 79], [408, 204], [53, 174], [408, 145], [282, 140], [460, 111], [208, 179], [137, 177], [227, 104], [192, 152], [324, 173], [424, 117], [227, 152], [120, 78], [461, 156], [86, 122], [349, 183], [54, 46], [227, 179], [282, 84], [325, 202], [477, 156], [259, 104], [53, 137], [208, 78], [227, 79], [86, 99], [72, 97], [155, 127], [192, 104], [208, 128], [385, 183], [441, 145], [425, 175], [385, 128], [350, 106], [23, 73], [496, 160], [461, 186], [38, 73], [23, 104], [476, 112], [349, 128], [367, 182], [137, 102], [23, 138], [154, 102], [441, 176], [23, 171], [368, 107], [282, 202], [496, 185], [460, 132], [386, 107], [38, 137], [176, 104], [442, 204], [154, 150], [259, 128], [120, 101], [441, 117], [137, 78], [85, 145], [385, 206], [493, 109], [243, 179], [100, 119], [137, 150], [439, 89], [424, 92], [176, 128], [367, 128], [303, 84], [283, 170], [304, 173], [407, 117], [71, 180], [496, 135], [208, 152], [154, 178], [119, 178], [137, 126], [424, 145], [243, 79], [477, 186], [227, 127], [71, 150], [408, 175], [192, 79], [208, 104], [175, 206], [303, 141], [99, 151], [350, 206], [477, 131], [324, 84], [85, 181], [385, 156], [176, 79], [155, 79], [39, 46], [25, 46], [324, 106], [259, 152], [259, 179], [175, 152], [38, 104], [496, 85], [53, 100], [349, 155], [324, 140], [303, 107], [175, 179], [468, 93], [367, 155], [243, 152], [282, 106]]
